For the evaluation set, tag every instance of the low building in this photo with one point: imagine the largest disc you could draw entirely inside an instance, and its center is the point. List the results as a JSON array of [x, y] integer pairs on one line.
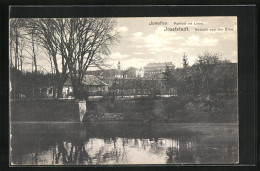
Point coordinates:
[[94, 84], [91, 84]]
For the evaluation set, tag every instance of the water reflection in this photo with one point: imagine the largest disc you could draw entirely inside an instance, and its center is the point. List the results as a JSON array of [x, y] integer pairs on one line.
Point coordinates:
[[117, 143]]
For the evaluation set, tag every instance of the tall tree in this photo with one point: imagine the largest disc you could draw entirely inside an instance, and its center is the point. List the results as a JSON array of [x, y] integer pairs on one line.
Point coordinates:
[[43, 30], [14, 40], [86, 43], [17, 43], [17, 46], [207, 63], [168, 76], [80, 42], [124, 74], [185, 62]]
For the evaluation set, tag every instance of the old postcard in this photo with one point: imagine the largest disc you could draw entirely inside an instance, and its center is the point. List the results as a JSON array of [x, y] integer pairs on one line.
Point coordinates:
[[123, 91]]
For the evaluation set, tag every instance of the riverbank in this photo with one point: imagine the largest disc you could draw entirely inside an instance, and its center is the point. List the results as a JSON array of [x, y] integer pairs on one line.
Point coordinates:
[[171, 109], [42, 110], [159, 110]]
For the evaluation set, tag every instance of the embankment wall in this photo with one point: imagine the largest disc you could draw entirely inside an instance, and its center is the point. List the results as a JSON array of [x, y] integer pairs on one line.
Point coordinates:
[[47, 110]]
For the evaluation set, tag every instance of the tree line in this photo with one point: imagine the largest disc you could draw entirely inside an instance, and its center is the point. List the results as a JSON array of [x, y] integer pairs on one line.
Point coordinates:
[[208, 78], [70, 44]]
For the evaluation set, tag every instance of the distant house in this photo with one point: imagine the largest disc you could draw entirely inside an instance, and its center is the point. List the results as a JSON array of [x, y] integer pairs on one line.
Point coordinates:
[[91, 84], [109, 76], [156, 70], [140, 72]]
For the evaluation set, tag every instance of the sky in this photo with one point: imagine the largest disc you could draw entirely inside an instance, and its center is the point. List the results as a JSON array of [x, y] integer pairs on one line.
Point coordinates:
[[141, 43]]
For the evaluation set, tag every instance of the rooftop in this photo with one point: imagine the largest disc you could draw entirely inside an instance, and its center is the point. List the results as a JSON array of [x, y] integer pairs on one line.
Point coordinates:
[[89, 80], [163, 64]]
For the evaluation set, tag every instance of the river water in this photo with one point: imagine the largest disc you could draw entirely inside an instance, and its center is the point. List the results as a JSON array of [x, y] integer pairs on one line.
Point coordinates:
[[113, 143]]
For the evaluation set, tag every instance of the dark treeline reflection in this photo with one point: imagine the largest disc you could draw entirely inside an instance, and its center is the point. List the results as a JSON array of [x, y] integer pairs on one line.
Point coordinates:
[[110, 143]]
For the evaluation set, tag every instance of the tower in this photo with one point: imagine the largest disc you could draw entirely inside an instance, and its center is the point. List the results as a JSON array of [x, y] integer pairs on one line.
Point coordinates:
[[118, 66]]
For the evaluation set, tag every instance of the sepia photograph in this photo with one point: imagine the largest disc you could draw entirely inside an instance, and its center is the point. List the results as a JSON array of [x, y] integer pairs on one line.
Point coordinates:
[[123, 91]]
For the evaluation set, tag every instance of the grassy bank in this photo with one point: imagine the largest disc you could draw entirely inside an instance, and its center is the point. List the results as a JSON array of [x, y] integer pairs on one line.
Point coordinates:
[[171, 109]]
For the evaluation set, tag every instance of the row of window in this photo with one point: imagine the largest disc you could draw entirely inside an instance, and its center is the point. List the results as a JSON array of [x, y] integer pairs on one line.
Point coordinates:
[[154, 69], [153, 72]]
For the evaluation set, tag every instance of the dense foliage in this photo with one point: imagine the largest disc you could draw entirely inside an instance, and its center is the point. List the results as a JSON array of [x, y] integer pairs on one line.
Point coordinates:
[[209, 81]]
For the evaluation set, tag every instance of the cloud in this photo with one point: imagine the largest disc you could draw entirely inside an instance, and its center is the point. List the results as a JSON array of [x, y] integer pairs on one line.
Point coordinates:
[[137, 37], [157, 41], [138, 34], [137, 53], [197, 41], [118, 56], [230, 35], [122, 29], [192, 59], [142, 44]]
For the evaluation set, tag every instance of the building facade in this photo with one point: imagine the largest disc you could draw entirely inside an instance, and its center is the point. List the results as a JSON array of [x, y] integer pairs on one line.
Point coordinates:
[[156, 70]]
